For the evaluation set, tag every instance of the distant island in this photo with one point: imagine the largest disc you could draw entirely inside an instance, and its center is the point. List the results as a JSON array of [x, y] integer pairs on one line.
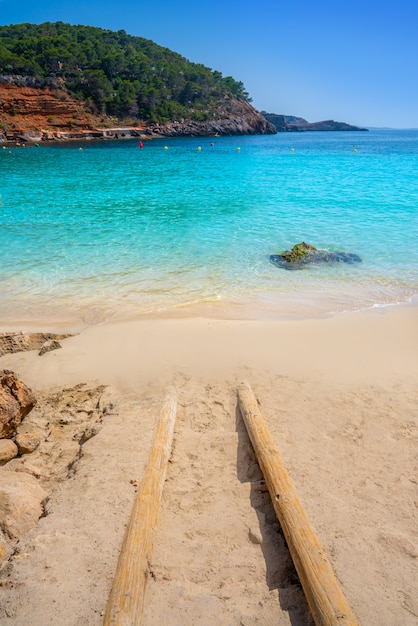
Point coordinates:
[[292, 124]]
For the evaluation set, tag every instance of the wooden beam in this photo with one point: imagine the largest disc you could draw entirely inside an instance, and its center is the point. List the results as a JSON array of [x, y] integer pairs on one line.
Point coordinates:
[[126, 600], [323, 593]]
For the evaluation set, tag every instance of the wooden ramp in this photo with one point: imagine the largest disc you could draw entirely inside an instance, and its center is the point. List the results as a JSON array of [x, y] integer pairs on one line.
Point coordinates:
[[214, 550]]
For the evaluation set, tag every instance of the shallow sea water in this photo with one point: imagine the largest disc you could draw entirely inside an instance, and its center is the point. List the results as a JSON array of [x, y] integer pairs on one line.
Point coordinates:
[[96, 231]]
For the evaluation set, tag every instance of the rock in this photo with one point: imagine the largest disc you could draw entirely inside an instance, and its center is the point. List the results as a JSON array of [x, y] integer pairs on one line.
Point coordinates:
[[16, 401], [24, 342], [27, 442], [20, 465], [298, 251], [50, 345], [21, 503], [87, 433], [8, 450], [6, 550], [303, 254]]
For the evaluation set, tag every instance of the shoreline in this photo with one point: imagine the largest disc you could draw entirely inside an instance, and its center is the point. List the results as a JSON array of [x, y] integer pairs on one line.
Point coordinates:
[[308, 345], [252, 312]]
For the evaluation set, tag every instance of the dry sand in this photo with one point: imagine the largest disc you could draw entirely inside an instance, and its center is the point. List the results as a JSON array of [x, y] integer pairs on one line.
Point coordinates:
[[340, 397]]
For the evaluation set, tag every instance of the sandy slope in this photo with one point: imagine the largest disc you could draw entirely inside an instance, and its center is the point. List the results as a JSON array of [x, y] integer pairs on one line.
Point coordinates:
[[340, 397]]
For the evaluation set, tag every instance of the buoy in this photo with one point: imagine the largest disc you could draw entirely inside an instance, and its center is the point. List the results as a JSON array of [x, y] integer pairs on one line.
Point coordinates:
[[355, 150], [80, 148], [292, 149], [199, 148], [165, 147], [239, 149]]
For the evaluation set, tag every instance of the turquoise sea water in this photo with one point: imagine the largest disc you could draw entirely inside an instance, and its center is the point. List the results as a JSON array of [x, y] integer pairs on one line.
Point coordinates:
[[114, 231]]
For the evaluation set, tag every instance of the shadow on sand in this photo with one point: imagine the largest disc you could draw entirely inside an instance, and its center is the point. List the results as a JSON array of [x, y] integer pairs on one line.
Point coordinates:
[[280, 571]]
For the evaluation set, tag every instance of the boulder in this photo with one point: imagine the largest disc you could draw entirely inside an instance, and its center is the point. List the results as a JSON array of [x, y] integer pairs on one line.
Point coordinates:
[[303, 254], [50, 345], [16, 401], [20, 465], [8, 450], [21, 503], [27, 442]]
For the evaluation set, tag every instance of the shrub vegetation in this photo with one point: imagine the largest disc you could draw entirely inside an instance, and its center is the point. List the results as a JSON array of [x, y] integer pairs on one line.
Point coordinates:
[[115, 73]]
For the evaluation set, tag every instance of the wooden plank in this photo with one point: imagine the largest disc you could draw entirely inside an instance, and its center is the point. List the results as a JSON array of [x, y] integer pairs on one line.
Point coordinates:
[[323, 593], [126, 599]]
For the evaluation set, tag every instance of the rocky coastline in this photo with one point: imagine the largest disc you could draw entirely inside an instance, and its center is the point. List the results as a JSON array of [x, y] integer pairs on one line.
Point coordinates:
[[33, 114]]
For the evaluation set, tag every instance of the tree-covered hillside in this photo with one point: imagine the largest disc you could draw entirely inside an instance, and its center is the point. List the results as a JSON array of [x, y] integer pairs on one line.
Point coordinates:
[[115, 73]]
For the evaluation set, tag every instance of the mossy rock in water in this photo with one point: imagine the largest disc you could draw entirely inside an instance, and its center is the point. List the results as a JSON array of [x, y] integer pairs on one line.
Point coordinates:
[[298, 251], [303, 254]]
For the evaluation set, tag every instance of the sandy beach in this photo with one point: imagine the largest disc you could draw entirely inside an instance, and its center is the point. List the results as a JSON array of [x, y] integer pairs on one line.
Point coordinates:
[[340, 397]]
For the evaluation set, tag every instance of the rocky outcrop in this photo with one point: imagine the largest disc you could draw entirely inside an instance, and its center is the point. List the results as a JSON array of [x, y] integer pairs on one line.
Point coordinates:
[[49, 346], [46, 449], [235, 118], [36, 102], [290, 123], [23, 342], [16, 401], [303, 254], [34, 110]]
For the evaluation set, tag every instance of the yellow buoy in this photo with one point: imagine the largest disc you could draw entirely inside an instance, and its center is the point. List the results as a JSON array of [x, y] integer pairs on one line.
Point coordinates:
[[199, 148], [239, 149], [292, 149], [165, 147], [355, 150]]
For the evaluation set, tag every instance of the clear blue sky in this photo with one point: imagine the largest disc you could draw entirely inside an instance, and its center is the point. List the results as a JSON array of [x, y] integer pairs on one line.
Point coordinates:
[[350, 60]]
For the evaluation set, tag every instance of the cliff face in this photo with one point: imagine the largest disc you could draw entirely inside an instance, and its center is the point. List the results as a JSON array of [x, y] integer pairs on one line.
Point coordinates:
[[290, 123], [49, 111], [30, 109]]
